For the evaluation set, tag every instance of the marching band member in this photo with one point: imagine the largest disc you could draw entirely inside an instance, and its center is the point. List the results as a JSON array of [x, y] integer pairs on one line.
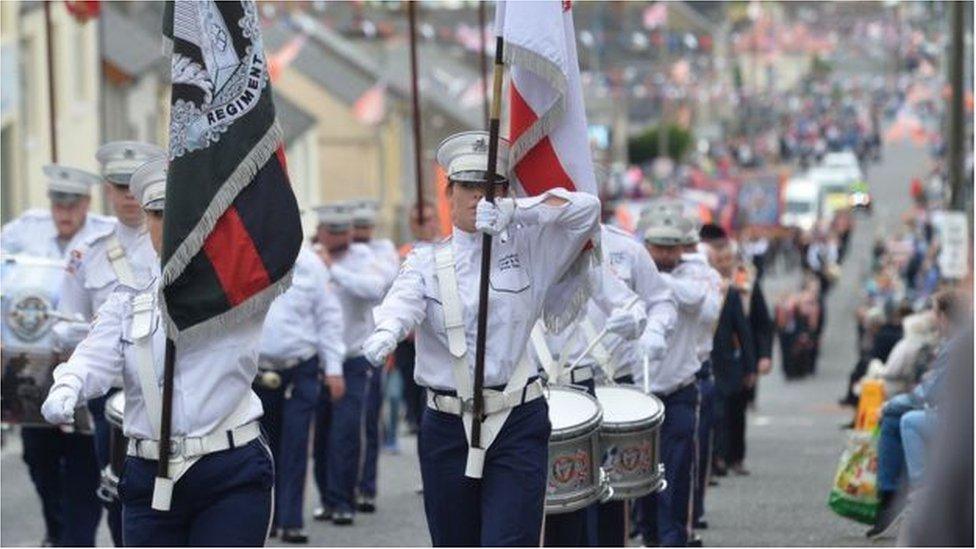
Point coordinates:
[[123, 255], [388, 258], [63, 466], [301, 343], [225, 494], [673, 380], [632, 264], [360, 284], [492, 495]]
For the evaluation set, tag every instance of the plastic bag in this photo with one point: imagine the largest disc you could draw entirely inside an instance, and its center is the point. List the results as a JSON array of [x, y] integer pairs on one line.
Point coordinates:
[[854, 494]]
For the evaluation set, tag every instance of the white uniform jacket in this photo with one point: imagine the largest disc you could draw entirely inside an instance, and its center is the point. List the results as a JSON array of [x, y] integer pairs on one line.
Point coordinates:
[[35, 234], [360, 280], [211, 377], [526, 259], [306, 320]]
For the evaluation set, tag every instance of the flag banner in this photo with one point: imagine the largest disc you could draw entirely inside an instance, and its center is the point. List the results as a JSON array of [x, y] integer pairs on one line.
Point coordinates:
[[548, 130], [232, 228], [547, 124]]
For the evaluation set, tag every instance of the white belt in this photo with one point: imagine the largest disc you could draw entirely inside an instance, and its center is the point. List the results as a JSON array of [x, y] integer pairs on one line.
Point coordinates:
[[495, 401], [190, 447], [270, 363]]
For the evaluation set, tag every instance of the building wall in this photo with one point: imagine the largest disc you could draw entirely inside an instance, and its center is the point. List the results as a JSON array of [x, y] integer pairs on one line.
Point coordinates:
[[26, 126]]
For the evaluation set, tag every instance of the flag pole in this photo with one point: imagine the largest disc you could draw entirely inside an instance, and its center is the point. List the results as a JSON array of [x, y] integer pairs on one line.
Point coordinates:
[[163, 488], [415, 97], [51, 88], [479, 356], [483, 60]]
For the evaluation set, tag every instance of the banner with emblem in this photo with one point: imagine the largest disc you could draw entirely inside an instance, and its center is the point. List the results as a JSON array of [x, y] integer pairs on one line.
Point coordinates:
[[547, 125], [232, 229]]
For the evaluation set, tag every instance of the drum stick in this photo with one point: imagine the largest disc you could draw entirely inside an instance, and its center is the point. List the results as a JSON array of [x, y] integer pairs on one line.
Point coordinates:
[[599, 337], [647, 374]]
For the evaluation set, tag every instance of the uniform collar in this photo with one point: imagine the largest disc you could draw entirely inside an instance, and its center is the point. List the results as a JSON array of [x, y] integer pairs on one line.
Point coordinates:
[[465, 239], [126, 232]]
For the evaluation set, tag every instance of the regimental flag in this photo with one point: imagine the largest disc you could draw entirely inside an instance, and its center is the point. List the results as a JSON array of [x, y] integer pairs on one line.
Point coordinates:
[[232, 229], [548, 131]]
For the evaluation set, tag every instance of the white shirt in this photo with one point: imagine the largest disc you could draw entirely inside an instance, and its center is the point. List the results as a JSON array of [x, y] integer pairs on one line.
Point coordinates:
[[386, 255], [607, 293], [696, 273], [681, 363], [35, 234], [361, 282], [631, 263], [211, 376], [306, 320], [90, 278], [533, 254]]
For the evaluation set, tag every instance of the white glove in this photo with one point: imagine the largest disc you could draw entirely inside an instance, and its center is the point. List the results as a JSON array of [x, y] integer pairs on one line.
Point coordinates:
[[623, 323], [493, 218], [378, 346], [654, 345], [59, 406]]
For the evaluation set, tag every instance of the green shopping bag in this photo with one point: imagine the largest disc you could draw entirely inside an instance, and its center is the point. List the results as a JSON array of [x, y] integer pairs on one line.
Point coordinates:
[[854, 494]]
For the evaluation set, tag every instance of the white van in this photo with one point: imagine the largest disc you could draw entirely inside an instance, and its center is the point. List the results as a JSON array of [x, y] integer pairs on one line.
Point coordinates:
[[801, 206]]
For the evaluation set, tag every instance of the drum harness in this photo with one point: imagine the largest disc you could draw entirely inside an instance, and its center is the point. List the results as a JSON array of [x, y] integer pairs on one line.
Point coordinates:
[[185, 450], [498, 404]]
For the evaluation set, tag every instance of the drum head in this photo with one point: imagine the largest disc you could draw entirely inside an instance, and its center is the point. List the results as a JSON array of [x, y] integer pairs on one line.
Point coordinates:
[[628, 405], [570, 408], [115, 409]]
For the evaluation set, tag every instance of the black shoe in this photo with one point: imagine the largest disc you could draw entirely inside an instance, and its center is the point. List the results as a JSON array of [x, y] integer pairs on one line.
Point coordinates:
[[695, 541], [712, 482], [701, 525], [847, 426], [273, 533], [322, 514], [366, 505], [294, 535], [720, 470], [890, 510], [342, 518]]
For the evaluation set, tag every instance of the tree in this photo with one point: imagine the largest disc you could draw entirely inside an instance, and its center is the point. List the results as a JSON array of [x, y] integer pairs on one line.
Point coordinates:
[[644, 147]]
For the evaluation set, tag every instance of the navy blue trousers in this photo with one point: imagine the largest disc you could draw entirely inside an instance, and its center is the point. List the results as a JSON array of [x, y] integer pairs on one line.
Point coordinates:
[[706, 425], [103, 433], [373, 401], [64, 470], [665, 515], [224, 500], [578, 528], [337, 445], [505, 506], [288, 412]]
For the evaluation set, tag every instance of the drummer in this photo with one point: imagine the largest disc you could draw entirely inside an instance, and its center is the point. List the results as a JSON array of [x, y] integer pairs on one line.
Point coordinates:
[[123, 255], [474, 496], [673, 380], [579, 352], [62, 465], [225, 494]]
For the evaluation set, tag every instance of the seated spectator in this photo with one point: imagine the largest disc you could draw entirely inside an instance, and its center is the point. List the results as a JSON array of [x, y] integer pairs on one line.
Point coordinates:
[[909, 357], [926, 395]]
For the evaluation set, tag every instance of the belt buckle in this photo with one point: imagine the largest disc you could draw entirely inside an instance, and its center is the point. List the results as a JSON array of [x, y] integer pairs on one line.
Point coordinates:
[[176, 448], [467, 405]]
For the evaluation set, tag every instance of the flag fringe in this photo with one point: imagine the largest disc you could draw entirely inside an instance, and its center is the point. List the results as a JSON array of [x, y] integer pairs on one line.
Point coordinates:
[[241, 178], [254, 305], [588, 285], [516, 55]]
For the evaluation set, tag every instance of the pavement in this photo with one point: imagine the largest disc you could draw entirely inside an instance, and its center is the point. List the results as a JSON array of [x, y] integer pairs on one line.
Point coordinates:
[[794, 438]]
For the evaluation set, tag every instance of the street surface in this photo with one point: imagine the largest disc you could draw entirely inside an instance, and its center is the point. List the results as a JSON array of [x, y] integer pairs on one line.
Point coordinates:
[[794, 439]]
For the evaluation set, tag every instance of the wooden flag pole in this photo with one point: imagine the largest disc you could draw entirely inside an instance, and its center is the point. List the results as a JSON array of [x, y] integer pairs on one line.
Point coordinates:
[[492, 176], [415, 96], [163, 488], [51, 88]]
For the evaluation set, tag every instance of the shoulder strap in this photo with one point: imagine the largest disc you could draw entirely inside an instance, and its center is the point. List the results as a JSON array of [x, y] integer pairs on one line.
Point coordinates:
[[119, 262], [143, 307], [453, 318], [538, 340]]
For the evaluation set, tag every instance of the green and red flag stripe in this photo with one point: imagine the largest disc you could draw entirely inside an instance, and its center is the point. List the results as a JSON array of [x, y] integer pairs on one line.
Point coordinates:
[[232, 229]]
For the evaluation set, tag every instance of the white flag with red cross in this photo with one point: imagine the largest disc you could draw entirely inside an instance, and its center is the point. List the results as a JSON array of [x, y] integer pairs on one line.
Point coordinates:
[[547, 125]]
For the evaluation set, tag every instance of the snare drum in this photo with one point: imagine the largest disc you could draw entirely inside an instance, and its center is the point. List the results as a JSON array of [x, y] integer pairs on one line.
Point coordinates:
[[118, 445], [574, 472], [28, 301], [629, 440]]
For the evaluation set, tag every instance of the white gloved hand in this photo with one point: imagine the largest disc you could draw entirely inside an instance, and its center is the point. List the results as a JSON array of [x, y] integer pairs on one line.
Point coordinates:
[[378, 346], [623, 323], [59, 406], [654, 345], [493, 218]]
